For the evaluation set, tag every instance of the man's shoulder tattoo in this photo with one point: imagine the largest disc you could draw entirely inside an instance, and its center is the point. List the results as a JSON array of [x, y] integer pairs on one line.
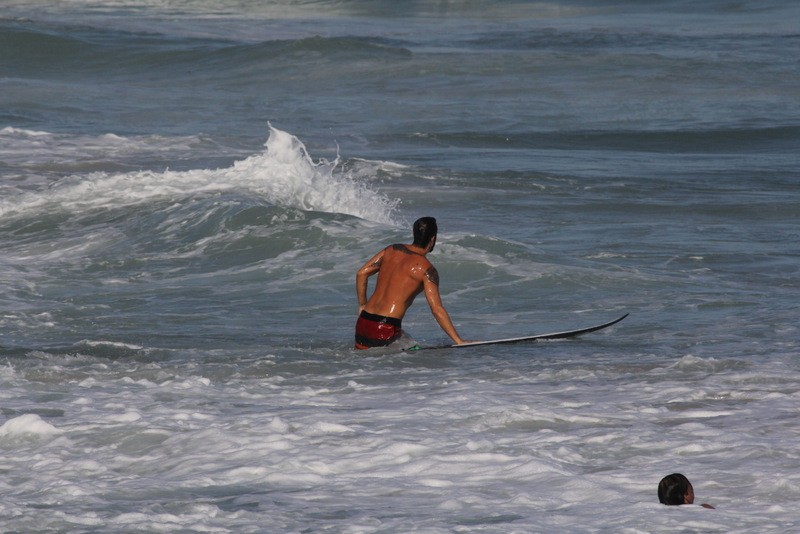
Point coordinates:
[[433, 275]]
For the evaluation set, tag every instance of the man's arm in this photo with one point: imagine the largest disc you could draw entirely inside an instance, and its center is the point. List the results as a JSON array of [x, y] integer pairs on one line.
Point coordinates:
[[362, 277], [431, 285]]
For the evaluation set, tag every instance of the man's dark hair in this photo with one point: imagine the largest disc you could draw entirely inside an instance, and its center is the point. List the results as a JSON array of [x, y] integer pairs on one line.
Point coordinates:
[[673, 489], [425, 229]]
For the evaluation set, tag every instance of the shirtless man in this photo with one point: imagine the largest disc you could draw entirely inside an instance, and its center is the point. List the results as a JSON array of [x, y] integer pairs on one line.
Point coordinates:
[[404, 272]]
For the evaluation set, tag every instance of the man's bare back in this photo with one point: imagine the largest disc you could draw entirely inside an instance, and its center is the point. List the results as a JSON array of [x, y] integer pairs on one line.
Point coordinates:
[[400, 280], [403, 273]]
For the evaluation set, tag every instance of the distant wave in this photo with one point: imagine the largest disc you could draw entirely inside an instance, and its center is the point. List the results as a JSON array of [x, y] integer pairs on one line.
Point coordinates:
[[36, 47], [717, 140]]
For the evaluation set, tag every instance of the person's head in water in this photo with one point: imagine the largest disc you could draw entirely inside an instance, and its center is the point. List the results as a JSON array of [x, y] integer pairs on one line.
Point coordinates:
[[425, 231], [675, 489]]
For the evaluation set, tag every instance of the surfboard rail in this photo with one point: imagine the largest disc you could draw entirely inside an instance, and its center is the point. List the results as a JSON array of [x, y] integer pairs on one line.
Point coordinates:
[[536, 337]]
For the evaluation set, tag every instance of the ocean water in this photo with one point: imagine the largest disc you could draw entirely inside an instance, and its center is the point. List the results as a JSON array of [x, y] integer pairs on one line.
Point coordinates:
[[186, 192]]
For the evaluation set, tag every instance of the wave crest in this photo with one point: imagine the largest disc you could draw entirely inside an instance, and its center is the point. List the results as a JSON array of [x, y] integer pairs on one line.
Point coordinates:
[[283, 175]]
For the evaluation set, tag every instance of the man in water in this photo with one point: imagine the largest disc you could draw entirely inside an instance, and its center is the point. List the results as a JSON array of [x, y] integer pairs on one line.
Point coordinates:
[[403, 273], [675, 489]]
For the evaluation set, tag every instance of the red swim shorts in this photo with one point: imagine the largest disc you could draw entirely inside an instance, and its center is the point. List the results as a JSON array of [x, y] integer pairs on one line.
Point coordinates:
[[376, 330]]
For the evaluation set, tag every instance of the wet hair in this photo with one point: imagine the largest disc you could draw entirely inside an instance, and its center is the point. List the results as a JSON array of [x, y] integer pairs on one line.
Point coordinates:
[[425, 230], [673, 489]]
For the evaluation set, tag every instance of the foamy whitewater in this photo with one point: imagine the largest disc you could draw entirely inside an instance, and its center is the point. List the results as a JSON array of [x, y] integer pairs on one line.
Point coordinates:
[[187, 190]]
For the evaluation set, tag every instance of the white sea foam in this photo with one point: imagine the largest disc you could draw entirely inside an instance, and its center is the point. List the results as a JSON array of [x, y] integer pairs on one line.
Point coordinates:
[[113, 344], [24, 147], [448, 438], [27, 425]]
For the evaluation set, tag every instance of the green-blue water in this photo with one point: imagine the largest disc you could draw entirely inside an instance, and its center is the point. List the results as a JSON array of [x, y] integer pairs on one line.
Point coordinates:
[[187, 190]]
